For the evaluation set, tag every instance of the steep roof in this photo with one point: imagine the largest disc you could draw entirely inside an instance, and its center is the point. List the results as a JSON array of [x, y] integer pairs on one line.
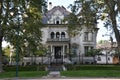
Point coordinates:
[[62, 9], [48, 15]]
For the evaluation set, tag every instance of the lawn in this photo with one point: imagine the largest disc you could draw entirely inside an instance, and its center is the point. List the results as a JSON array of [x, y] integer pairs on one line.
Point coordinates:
[[92, 71], [24, 74]]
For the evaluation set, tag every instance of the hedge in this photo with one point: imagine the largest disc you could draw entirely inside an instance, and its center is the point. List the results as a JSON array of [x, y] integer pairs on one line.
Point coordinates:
[[92, 67], [24, 68]]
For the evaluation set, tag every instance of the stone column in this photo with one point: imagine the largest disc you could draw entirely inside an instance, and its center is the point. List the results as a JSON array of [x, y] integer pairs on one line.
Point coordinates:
[[63, 52], [51, 50]]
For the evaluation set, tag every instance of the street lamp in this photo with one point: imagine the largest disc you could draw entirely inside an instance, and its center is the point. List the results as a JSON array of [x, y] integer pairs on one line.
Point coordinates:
[[17, 43]]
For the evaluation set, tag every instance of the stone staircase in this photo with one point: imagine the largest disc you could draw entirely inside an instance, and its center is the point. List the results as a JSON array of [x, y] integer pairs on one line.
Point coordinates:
[[54, 71], [56, 68]]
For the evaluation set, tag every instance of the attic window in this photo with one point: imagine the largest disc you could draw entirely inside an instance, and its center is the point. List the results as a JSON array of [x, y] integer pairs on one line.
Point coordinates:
[[57, 22]]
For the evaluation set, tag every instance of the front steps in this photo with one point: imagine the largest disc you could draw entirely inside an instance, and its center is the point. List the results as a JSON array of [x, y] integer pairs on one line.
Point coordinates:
[[56, 68]]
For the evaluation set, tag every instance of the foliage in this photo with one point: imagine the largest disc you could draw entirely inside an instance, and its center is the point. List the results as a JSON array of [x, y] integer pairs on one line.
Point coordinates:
[[86, 11], [41, 52], [24, 74], [24, 68], [102, 41], [93, 52], [7, 51], [106, 10], [92, 67], [20, 23]]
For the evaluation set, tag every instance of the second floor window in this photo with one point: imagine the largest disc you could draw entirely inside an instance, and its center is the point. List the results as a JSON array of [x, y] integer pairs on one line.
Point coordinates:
[[57, 35], [86, 36], [62, 35], [52, 35]]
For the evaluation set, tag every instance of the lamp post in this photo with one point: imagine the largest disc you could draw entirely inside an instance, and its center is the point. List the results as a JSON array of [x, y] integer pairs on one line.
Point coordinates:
[[17, 42]]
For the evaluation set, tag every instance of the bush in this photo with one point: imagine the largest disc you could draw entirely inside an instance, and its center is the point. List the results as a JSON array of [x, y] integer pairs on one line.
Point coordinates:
[[24, 68], [92, 67]]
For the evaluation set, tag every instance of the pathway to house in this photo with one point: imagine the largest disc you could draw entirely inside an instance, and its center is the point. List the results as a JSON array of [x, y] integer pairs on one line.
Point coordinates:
[[53, 74], [54, 71]]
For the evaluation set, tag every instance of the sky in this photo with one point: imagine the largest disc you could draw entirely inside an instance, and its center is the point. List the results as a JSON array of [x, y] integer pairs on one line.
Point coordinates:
[[66, 3]]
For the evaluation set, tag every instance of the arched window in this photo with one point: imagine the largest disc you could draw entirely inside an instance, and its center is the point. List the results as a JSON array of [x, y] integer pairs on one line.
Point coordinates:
[[57, 22], [63, 35], [52, 35], [57, 35]]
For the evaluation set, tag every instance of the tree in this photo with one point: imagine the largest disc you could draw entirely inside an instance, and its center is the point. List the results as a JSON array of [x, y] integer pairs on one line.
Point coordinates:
[[102, 41], [105, 10], [113, 9], [7, 51], [20, 22], [41, 53], [93, 52], [81, 17]]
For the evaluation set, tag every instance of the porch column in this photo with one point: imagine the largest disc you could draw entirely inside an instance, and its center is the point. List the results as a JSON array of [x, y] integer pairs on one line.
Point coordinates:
[[63, 52], [51, 50]]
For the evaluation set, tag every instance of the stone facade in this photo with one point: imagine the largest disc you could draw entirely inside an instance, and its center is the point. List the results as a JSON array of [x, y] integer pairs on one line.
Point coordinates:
[[56, 39]]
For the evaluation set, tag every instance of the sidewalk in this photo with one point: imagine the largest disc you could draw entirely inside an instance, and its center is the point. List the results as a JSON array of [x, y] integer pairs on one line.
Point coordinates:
[[62, 79]]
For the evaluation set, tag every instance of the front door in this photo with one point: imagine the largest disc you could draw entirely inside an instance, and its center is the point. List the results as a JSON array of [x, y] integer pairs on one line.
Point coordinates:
[[57, 52]]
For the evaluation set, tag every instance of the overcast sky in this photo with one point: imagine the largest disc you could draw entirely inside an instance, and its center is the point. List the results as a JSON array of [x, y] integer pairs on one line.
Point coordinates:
[[64, 3]]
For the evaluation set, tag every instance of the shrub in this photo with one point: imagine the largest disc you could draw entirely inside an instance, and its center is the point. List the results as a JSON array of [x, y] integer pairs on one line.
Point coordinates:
[[92, 67], [24, 68]]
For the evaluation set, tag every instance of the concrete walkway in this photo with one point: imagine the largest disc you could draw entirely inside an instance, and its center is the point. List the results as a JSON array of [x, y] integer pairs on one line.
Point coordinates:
[[53, 74], [62, 79]]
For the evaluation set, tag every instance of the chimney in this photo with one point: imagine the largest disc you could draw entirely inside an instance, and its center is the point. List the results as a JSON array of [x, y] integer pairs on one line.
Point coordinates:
[[50, 6]]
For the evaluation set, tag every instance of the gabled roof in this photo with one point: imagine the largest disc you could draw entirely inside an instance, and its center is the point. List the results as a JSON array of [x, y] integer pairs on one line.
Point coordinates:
[[48, 15], [62, 9]]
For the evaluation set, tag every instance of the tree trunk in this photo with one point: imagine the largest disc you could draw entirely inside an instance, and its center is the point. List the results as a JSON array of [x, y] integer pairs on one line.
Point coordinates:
[[116, 31], [113, 13], [1, 69]]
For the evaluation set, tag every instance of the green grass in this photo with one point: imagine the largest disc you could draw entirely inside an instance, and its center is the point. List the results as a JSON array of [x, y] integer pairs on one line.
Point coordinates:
[[24, 74], [91, 73]]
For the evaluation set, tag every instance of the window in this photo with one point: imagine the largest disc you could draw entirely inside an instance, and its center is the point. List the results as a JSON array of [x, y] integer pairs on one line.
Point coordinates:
[[86, 36], [52, 35], [74, 51], [86, 48], [91, 48], [57, 35], [57, 22], [108, 58], [99, 58], [62, 35], [92, 37]]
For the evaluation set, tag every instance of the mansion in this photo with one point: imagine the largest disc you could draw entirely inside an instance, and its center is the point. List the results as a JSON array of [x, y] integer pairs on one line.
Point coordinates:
[[59, 44], [56, 39]]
